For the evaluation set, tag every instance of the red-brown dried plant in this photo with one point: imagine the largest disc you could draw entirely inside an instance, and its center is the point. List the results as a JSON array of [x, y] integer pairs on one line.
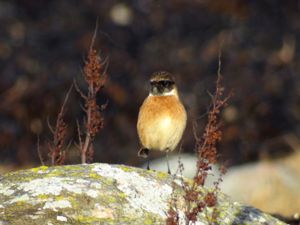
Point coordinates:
[[57, 146], [94, 73], [206, 149]]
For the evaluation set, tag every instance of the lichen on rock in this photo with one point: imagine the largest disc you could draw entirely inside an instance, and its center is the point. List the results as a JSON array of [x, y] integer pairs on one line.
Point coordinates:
[[103, 194]]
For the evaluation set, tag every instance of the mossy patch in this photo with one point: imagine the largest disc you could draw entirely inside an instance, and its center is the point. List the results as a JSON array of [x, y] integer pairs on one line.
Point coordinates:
[[18, 209], [95, 176], [43, 196], [162, 175], [126, 168], [93, 220], [149, 220], [41, 168], [122, 195]]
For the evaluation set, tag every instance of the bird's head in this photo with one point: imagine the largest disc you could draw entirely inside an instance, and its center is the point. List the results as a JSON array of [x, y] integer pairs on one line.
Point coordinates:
[[162, 84]]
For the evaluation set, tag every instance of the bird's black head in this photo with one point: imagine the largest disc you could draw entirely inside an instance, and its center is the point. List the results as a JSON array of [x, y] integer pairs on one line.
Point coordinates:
[[162, 83]]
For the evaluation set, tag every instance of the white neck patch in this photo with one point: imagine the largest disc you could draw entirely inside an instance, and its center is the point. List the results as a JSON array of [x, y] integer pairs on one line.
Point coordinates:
[[170, 93]]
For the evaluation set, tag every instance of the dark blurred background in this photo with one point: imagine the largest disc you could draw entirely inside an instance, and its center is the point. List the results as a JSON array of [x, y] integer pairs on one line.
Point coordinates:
[[43, 45]]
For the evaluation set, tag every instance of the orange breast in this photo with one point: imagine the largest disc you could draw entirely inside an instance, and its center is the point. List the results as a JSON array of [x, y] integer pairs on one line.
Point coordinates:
[[161, 122]]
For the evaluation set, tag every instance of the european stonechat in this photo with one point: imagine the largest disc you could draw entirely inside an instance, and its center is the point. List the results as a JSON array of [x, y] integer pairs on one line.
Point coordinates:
[[162, 117]]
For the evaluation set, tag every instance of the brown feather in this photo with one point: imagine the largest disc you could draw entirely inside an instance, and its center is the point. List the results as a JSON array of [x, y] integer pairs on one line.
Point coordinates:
[[161, 122]]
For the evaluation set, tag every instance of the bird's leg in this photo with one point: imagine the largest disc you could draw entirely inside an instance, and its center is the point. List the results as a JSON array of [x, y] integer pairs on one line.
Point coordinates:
[[148, 164], [167, 157]]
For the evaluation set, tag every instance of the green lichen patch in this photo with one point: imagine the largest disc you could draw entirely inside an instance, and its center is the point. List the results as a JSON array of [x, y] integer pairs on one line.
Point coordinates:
[[19, 209], [42, 169], [126, 168], [44, 197], [86, 219], [151, 219], [162, 175], [95, 176]]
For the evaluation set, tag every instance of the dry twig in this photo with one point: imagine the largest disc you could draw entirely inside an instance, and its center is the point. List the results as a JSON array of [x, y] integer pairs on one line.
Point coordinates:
[[206, 149], [94, 73], [57, 145]]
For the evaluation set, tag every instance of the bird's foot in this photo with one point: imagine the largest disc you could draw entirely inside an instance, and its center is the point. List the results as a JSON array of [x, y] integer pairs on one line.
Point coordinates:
[[169, 171]]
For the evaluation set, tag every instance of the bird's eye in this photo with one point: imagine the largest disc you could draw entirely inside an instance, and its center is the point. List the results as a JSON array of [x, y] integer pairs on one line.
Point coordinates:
[[166, 83]]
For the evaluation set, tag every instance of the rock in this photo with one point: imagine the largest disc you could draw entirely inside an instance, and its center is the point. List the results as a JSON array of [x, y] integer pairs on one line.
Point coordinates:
[[272, 186], [104, 194]]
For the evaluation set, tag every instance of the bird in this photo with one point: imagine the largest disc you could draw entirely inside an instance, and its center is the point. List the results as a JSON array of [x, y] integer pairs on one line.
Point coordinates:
[[162, 117]]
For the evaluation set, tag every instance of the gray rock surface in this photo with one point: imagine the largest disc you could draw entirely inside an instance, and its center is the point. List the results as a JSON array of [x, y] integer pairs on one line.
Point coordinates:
[[104, 194]]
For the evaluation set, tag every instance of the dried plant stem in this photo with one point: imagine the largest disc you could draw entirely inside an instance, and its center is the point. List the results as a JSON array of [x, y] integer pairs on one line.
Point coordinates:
[[206, 148], [56, 147], [87, 141], [39, 150], [79, 134], [94, 73]]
